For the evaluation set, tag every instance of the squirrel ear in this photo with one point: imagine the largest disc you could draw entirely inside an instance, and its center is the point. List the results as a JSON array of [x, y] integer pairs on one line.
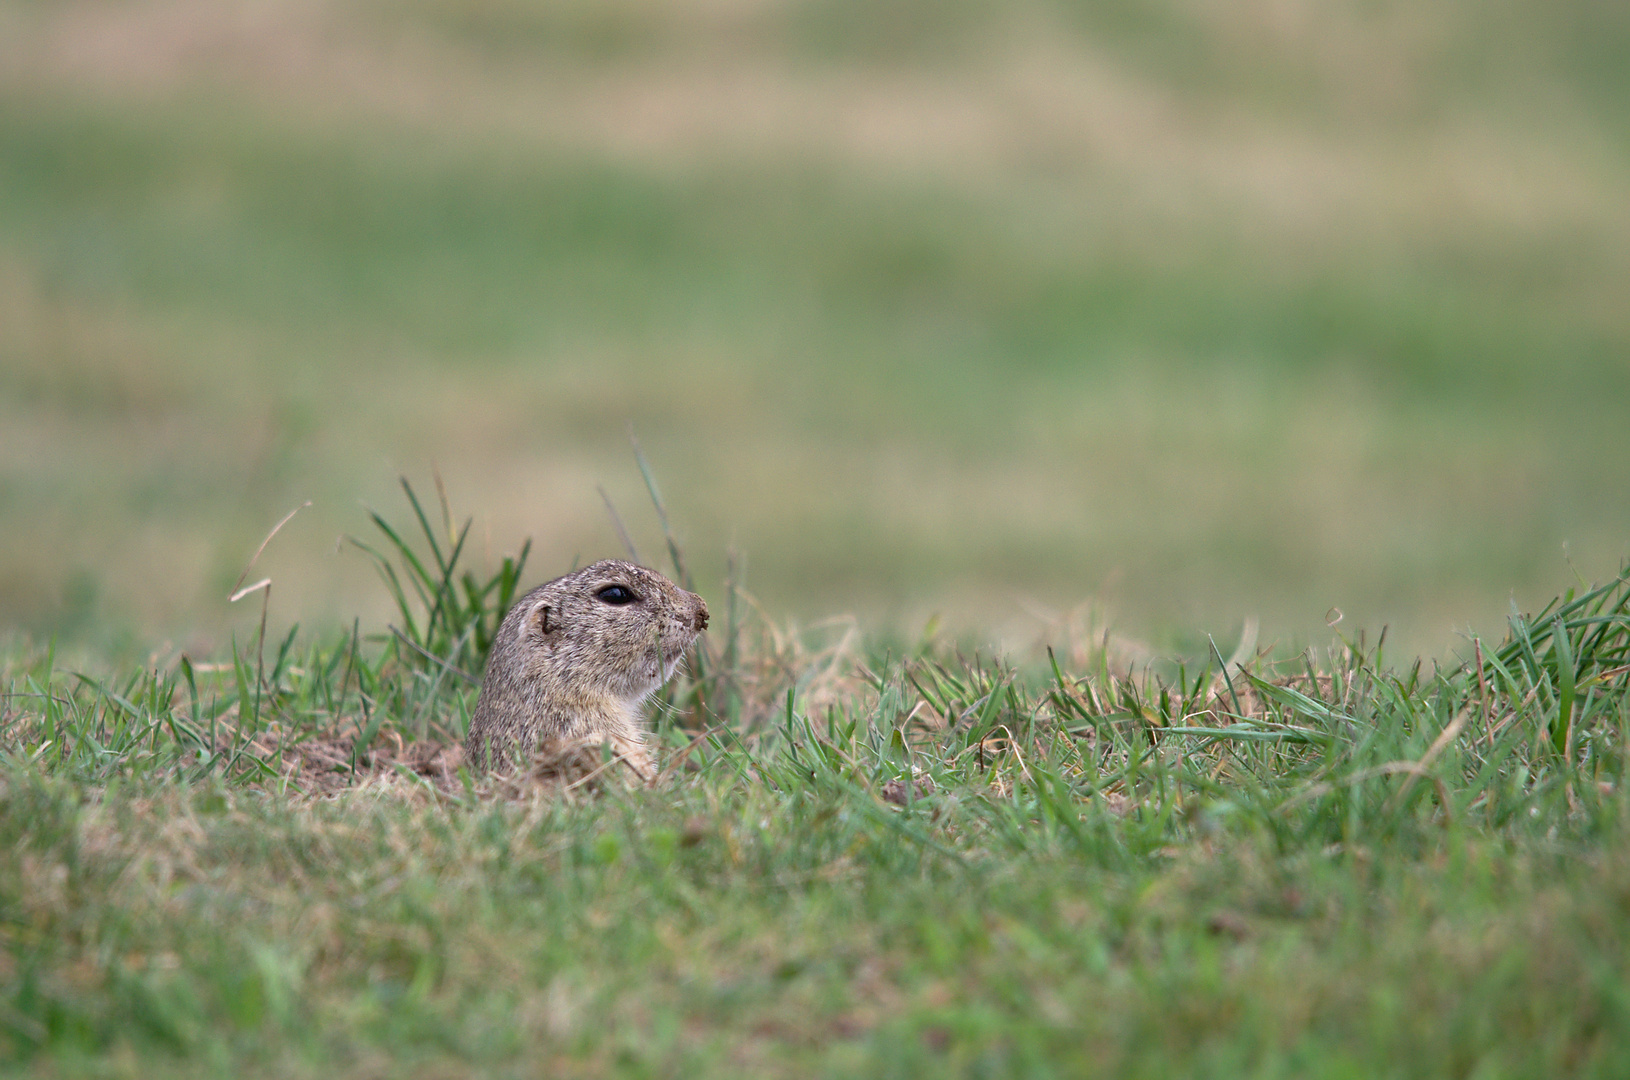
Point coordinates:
[[539, 618]]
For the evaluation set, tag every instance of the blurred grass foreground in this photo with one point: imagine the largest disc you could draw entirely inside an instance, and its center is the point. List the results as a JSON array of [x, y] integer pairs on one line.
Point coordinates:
[[1208, 311]]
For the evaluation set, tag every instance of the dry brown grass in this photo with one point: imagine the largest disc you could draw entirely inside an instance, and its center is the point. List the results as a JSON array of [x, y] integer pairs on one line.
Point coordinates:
[[719, 84]]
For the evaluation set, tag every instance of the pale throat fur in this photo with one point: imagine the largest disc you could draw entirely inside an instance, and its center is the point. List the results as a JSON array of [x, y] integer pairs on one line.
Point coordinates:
[[576, 657]]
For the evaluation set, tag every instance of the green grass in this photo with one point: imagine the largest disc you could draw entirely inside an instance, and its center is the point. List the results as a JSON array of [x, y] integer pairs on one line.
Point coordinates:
[[866, 859], [1065, 344]]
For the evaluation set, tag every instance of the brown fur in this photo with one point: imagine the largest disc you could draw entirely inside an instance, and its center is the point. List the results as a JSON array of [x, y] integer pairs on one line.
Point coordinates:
[[567, 664]]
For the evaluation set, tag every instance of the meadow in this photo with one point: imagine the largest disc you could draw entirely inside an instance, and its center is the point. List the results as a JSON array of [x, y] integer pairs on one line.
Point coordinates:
[[1157, 467], [859, 859]]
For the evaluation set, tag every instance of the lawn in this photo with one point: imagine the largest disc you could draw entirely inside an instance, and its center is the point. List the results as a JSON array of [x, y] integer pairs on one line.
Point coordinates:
[[861, 858]]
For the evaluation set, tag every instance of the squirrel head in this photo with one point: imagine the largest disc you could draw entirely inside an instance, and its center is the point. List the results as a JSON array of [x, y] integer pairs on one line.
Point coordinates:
[[610, 630]]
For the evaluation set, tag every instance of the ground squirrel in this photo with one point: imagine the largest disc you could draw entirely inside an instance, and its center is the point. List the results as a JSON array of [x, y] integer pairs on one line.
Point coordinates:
[[575, 658]]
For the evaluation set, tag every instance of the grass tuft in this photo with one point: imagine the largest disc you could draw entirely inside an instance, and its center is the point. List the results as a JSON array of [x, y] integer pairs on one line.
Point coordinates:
[[448, 618]]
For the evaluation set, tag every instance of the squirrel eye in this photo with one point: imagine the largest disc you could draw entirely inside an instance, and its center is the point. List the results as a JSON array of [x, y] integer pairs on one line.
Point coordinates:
[[617, 595]]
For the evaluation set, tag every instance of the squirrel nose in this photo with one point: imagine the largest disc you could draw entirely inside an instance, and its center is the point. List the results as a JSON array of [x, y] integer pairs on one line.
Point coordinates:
[[700, 621]]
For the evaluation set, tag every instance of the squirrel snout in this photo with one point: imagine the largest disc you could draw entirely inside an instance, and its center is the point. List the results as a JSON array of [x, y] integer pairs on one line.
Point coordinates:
[[700, 621]]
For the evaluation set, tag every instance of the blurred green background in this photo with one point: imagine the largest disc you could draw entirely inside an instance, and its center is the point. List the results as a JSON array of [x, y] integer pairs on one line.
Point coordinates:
[[1200, 311]]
